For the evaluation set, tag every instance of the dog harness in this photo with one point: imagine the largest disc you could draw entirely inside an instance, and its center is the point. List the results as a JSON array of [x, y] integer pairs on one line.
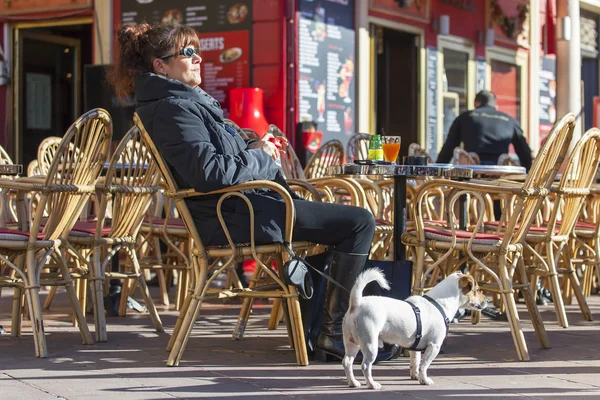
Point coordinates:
[[420, 325]]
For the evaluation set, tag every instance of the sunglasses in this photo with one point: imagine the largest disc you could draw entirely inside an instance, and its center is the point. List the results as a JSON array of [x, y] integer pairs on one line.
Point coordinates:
[[186, 52]]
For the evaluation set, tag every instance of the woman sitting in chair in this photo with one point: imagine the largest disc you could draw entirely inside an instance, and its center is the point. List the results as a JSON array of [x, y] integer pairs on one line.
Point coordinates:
[[160, 65]]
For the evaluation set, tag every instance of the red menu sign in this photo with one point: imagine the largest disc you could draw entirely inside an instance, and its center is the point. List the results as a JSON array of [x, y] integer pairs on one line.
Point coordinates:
[[223, 27], [225, 63]]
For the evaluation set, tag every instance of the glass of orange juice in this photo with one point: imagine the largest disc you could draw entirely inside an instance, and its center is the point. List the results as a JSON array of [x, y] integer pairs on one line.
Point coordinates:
[[391, 147]]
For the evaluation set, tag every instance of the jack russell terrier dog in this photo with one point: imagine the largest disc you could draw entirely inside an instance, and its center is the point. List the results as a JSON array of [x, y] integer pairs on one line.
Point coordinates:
[[418, 324]]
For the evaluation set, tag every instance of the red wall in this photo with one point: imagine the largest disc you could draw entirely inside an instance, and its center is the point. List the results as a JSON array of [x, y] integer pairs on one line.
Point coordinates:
[[268, 57], [463, 23]]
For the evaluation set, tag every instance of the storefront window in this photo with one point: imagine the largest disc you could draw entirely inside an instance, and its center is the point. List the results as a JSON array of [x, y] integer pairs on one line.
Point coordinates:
[[506, 85], [455, 86]]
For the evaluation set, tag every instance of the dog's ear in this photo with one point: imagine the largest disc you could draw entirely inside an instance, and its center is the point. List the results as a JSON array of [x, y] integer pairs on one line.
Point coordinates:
[[466, 283]]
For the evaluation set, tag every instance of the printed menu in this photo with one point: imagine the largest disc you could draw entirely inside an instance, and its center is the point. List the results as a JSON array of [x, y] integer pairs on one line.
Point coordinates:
[[326, 66], [547, 110], [223, 27], [431, 108]]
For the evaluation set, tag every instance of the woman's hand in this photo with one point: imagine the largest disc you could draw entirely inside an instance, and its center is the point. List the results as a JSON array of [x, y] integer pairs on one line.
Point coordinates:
[[271, 145]]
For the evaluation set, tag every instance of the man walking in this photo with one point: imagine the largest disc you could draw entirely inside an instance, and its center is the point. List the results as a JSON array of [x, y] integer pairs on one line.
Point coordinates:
[[487, 132]]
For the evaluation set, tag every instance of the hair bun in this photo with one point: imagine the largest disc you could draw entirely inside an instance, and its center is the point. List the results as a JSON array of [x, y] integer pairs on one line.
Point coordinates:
[[132, 36]]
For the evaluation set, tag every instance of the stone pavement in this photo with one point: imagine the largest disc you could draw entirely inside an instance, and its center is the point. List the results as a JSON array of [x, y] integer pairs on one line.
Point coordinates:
[[479, 362]]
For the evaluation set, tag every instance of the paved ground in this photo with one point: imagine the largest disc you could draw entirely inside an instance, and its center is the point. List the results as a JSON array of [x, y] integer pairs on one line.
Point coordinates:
[[479, 362]]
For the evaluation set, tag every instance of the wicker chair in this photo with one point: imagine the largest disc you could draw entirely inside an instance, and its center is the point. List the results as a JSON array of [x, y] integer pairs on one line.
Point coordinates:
[[46, 151], [357, 147], [497, 255], [330, 153], [586, 243], [200, 282], [551, 241], [461, 157], [66, 188], [129, 185], [414, 149], [506, 159]]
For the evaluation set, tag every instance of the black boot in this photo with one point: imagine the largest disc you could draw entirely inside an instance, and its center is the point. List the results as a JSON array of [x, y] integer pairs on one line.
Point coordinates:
[[344, 269], [540, 297], [311, 309]]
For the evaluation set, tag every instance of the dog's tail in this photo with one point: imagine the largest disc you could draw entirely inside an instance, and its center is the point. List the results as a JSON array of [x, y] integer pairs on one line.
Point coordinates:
[[367, 276]]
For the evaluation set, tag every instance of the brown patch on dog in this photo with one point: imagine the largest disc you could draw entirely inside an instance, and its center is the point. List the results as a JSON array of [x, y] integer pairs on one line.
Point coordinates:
[[467, 283], [351, 310]]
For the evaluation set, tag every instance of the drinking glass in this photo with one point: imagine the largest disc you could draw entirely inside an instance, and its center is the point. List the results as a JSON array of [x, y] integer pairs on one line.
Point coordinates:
[[391, 147]]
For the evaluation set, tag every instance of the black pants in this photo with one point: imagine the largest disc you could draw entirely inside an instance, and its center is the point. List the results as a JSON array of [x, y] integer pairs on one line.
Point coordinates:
[[348, 229]]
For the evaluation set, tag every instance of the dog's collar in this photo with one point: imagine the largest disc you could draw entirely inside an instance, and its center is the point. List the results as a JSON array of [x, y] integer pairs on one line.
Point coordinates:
[[441, 310], [419, 333]]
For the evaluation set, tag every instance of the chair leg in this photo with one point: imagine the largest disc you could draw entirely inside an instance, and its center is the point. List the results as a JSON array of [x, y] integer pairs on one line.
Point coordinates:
[[145, 292], [17, 313], [125, 293], [81, 290], [575, 285], [557, 298], [417, 284], [191, 315], [35, 307], [511, 311], [50, 297], [182, 284], [96, 281], [83, 327], [534, 312], [187, 301], [295, 320], [240, 327], [162, 285], [276, 315]]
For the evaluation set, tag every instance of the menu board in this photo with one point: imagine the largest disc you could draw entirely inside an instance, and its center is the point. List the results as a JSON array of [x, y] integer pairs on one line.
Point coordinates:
[[481, 64], [432, 101], [326, 81], [547, 110], [223, 27]]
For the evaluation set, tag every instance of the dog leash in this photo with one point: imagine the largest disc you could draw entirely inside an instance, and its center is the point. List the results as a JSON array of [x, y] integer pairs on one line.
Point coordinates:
[[417, 312], [293, 255]]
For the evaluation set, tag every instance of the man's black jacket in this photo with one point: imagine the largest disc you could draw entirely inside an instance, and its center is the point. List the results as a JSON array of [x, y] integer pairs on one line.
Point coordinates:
[[487, 132], [186, 124]]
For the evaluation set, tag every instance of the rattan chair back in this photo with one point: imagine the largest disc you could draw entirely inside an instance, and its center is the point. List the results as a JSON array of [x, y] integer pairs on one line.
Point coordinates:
[[33, 169], [414, 149], [462, 157], [132, 178], [541, 176], [46, 151], [573, 188], [291, 166], [330, 153], [357, 147], [506, 159], [77, 163]]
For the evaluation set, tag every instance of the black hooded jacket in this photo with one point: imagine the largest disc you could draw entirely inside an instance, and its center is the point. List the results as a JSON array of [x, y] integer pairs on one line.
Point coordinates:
[[186, 125], [487, 132]]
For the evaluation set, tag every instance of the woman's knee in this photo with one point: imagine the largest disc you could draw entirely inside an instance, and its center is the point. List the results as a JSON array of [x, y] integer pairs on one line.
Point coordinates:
[[364, 220]]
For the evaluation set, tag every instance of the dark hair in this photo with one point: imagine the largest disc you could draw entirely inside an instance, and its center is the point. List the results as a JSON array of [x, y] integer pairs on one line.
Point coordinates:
[[486, 98], [139, 45]]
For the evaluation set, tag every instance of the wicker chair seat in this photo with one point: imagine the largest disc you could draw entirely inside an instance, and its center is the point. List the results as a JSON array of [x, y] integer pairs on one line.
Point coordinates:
[[11, 234], [445, 234], [175, 226], [493, 225], [87, 229]]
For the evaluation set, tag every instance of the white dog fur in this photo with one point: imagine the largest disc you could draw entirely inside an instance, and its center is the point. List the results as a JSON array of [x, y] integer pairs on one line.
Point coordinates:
[[372, 320]]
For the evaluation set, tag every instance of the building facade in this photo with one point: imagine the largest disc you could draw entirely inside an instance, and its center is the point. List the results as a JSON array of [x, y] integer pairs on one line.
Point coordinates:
[[397, 67]]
